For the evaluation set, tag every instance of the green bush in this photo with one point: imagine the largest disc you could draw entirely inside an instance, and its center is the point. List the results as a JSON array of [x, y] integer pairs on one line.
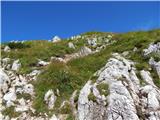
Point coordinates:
[[18, 45]]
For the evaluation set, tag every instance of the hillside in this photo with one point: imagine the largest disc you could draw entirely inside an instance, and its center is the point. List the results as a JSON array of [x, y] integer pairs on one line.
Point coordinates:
[[92, 76]]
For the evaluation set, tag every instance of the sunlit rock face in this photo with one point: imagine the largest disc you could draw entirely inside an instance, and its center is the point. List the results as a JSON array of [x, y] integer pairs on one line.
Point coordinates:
[[125, 94]]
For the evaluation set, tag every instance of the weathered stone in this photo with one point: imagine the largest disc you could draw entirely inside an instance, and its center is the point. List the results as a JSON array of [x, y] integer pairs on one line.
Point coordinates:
[[125, 53], [146, 77], [4, 81], [135, 49], [71, 45], [50, 99], [22, 107], [16, 65], [29, 88], [42, 63], [35, 72], [57, 59], [56, 39], [155, 65], [7, 49], [92, 42], [84, 51], [10, 97], [119, 73], [83, 102], [153, 48], [5, 62]]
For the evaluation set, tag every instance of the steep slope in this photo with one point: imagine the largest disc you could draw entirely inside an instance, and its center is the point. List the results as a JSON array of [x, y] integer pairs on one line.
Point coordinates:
[[93, 76]]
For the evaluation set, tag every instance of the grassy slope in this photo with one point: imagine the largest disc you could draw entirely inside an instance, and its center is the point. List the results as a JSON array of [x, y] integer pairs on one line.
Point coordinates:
[[80, 70], [37, 50], [74, 74]]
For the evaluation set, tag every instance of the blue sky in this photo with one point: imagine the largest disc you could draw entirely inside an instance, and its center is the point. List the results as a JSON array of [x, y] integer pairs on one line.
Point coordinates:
[[43, 20]]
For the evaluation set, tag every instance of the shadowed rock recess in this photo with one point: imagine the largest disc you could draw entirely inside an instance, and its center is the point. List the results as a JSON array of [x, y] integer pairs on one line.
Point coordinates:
[[91, 76]]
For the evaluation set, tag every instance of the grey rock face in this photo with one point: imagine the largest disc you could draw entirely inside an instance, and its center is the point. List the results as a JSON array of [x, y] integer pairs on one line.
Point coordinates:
[[127, 99], [83, 102], [121, 100]]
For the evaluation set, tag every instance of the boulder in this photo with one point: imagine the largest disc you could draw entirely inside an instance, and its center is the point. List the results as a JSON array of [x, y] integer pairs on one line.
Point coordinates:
[[56, 39], [92, 42], [16, 65], [57, 59], [109, 36], [5, 62], [71, 45], [84, 51], [155, 65], [50, 98], [7, 49], [35, 73], [29, 88], [146, 77], [22, 107], [4, 81], [10, 97], [42, 63], [153, 48], [125, 53], [135, 49]]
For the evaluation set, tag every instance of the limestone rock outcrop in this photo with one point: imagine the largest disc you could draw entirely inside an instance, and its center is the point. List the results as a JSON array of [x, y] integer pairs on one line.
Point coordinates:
[[127, 99]]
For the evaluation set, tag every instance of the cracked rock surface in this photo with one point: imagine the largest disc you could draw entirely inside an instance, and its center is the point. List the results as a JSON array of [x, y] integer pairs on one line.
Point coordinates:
[[127, 99]]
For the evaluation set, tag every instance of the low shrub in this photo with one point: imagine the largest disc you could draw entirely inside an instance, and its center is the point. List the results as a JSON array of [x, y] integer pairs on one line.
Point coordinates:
[[18, 45]]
